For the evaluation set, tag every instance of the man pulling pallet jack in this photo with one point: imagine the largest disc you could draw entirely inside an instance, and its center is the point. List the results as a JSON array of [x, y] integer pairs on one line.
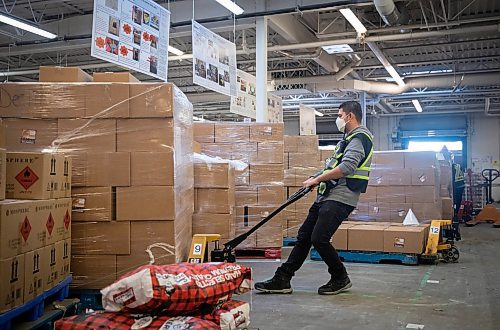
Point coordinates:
[[339, 187]]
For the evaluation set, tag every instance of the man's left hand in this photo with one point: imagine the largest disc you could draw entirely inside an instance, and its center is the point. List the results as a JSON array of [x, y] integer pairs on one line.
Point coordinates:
[[311, 182]]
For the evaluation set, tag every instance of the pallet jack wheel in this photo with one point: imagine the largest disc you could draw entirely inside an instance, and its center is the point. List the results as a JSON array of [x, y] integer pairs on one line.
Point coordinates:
[[451, 255]]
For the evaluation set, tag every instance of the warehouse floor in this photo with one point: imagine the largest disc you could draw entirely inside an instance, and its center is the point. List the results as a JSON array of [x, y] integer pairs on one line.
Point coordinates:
[[391, 296]]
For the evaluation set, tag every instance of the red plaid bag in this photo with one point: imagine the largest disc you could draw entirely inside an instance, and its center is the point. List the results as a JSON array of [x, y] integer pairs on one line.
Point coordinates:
[[112, 321], [230, 315], [176, 289]]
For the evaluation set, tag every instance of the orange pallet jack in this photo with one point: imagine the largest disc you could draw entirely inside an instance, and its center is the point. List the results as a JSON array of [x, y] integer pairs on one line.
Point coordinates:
[[489, 213]]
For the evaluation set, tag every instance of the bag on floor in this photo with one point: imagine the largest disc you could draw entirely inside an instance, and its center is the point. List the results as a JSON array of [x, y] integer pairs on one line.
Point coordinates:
[[176, 289], [112, 321], [230, 315]]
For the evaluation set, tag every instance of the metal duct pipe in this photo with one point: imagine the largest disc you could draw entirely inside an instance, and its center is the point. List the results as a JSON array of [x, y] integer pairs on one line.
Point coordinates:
[[389, 12]]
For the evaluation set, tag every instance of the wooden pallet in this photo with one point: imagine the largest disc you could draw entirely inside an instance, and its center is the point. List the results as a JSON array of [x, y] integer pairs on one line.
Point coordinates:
[[259, 253], [33, 309], [372, 257]]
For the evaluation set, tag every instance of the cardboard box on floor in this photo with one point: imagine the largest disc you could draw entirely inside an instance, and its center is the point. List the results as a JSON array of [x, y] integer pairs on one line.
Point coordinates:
[[93, 204], [100, 237], [63, 74], [339, 240], [12, 282], [305, 160], [270, 195], [366, 237], [405, 239], [270, 152]]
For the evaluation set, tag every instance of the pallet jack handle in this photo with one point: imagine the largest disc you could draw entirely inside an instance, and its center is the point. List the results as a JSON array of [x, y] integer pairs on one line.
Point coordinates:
[[489, 175], [227, 254]]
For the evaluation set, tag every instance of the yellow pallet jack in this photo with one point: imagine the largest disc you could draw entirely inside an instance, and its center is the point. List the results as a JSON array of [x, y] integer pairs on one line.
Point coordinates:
[[441, 243], [200, 246]]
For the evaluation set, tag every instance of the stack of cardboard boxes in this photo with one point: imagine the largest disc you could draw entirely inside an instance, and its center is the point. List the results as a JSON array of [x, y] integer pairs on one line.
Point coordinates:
[[302, 159], [131, 146], [35, 224], [400, 181], [214, 199], [259, 187]]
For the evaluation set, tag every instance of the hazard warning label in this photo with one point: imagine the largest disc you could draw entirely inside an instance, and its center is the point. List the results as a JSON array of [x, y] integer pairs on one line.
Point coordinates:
[[27, 178], [50, 224], [25, 229], [67, 220]]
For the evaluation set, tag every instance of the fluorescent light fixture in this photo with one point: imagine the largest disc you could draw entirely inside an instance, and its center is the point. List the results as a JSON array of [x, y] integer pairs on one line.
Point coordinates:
[[319, 114], [355, 22], [336, 49], [417, 105], [25, 26], [175, 51], [231, 6], [394, 75], [428, 72]]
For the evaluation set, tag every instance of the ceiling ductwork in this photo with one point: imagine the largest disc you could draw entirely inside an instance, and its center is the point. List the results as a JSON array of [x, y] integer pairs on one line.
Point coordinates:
[[391, 13]]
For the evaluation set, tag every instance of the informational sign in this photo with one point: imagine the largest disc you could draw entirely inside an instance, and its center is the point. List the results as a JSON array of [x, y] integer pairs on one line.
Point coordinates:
[[307, 120], [133, 34], [214, 61], [244, 103], [274, 109]]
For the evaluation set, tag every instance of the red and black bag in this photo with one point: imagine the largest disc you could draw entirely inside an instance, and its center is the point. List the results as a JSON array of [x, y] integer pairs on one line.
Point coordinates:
[[230, 315]]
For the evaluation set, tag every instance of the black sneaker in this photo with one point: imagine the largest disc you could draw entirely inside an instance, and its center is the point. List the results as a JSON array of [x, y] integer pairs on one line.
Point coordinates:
[[335, 286], [274, 285]]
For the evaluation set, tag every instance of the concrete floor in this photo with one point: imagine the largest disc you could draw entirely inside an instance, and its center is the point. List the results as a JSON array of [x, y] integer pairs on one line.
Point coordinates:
[[391, 296]]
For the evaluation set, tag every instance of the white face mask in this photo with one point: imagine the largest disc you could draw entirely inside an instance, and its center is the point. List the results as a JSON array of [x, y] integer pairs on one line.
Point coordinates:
[[340, 122]]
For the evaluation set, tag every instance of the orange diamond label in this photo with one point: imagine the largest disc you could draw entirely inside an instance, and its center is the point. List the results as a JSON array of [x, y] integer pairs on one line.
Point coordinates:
[[50, 223], [25, 229], [67, 220], [27, 177]]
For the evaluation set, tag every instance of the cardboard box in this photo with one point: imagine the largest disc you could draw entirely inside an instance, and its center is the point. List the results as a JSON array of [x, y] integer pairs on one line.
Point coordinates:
[[11, 282], [20, 230], [270, 152], [43, 211], [390, 177], [100, 237], [379, 211], [213, 223], [152, 168], [270, 195], [293, 227], [423, 176], [217, 175], [124, 77], [218, 200], [395, 194], [266, 174], [260, 132], [62, 217], [204, 132], [445, 175], [152, 135], [145, 203], [30, 135], [420, 194], [196, 147], [93, 204], [107, 100], [361, 212], [290, 143], [248, 152], [151, 100], [447, 208], [3, 173], [270, 236], [427, 211], [301, 144], [405, 239], [302, 160], [420, 159], [242, 226], [246, 196], [289, 177], [64, 260], [15, 100], [85, 135], [63, 74], [225, 150], [56, 101], [101, 169], [399, 211], [388, 160], [232, 133], [62, 171], [93, 271], [51, 275], [242, 177], [326, 153], [339, 240], [370, 196], [366, 238], [35, 270]]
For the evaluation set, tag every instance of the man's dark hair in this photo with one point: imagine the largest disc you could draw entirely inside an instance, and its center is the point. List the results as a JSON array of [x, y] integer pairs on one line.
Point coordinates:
[[354, 107]]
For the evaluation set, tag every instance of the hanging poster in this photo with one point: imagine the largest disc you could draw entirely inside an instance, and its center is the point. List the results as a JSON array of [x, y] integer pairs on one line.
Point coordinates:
[[274, 108], [307, 120], [214, 61], [244, 103], [133, 34]]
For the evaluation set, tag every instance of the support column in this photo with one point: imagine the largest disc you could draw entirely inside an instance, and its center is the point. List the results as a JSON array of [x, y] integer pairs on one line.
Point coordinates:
[[261, 69], [362, 101]]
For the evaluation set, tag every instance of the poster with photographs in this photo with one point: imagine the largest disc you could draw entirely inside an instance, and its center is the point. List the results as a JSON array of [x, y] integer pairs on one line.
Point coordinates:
[[307, 120], [133, 34], [244, 103], [214, 61], [274, 108]]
